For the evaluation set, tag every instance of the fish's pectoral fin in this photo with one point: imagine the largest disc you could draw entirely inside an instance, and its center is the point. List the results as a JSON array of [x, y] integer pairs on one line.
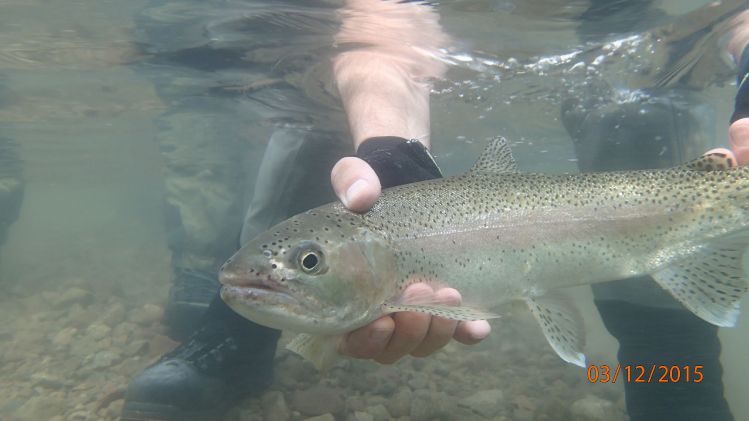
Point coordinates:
[[460, 313], [562, 325], [496, 158], [716, 161], [320, 350], [710, 282]]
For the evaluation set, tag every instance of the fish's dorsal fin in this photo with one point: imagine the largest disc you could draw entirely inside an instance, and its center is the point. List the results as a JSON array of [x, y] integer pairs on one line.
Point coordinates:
[[714, 161], [562, 325], [496, 158], [710, 282]]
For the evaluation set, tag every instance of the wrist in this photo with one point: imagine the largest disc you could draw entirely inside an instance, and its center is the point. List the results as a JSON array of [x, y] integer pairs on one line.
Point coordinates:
[[741, 103], [398, 161]]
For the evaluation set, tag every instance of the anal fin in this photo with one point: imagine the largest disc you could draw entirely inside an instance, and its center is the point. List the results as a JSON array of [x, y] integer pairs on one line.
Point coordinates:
[[562, 325], [710, 282]]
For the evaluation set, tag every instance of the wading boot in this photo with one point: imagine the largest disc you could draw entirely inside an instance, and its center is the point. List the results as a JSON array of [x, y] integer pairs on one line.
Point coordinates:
[[228, 358], [189, 297]]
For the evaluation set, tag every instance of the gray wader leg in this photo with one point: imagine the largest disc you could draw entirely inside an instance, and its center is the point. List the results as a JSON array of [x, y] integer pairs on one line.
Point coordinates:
[[11, 178], [11, 185]]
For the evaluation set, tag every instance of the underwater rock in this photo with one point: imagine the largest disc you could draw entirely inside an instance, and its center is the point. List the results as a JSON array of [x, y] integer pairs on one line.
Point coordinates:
[[292, 370], [356, 403], [274, 407], [114, 315], [362, 416], [324, 417], [378, 412], [101, 359], [136, 347], [422, 406], [399, 405], [41, 408], [486, 403], [419, 381], [98, 331], [318, 400], [47, 380], [73, 295], [64, 337], [591, 408], [146, 315]]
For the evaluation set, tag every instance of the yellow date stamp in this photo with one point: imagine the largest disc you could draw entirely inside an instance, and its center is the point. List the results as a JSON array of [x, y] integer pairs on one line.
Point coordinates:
[[645, 373]]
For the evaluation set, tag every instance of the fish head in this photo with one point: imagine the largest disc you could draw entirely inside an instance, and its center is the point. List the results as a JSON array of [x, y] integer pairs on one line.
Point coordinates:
[[321, 272]]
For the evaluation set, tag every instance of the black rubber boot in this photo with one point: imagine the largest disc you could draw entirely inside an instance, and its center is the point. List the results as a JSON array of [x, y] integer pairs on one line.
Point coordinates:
[[189, 297], [227, 359]]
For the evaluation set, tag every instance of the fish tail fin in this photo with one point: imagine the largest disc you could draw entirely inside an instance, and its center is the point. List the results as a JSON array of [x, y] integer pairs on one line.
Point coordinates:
[[562, 325], [711, 282]]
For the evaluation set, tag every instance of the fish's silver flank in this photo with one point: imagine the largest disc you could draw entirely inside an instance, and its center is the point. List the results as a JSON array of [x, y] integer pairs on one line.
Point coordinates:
[[498, 235]]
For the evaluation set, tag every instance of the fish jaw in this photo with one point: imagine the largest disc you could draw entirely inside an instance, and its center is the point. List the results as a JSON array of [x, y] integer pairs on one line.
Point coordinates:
[[255, 289], [350, 276], [267, 307]]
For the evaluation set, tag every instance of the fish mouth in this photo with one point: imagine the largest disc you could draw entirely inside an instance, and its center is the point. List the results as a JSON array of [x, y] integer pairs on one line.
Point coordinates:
[[256, 293]]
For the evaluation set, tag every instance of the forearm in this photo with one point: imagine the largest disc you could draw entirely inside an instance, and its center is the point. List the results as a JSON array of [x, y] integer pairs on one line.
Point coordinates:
[[738, 37], [385, 79]]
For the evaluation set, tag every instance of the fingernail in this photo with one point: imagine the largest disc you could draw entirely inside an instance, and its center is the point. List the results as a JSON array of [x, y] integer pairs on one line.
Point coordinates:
[[354, 190]]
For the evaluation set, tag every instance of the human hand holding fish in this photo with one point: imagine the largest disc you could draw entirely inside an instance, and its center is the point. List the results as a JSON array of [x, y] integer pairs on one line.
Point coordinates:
[[394, 336]]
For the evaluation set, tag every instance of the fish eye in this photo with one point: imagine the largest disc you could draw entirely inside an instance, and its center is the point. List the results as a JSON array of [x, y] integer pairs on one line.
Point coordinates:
[[310, 260]]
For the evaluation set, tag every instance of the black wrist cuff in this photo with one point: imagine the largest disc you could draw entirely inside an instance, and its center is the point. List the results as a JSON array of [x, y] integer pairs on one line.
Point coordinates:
[[398, 161], [741, 105]]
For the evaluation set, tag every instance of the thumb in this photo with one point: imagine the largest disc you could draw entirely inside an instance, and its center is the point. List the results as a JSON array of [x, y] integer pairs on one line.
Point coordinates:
[[738, 136], [355, 183]]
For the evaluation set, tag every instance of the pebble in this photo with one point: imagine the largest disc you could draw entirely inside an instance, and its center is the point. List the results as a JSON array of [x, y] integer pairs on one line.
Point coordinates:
[[114, 315], [422, 407], [356, 403], [41, 408], [399, 405], [324, 417], [318, 400], [146, 315], [486, 403], [362, 416], [591, 408], [98, 331], [73, 295], [81, 416], [378, 412], [274, 407], [64, 337], [419, 381], [136, 347], [47, 380], [102, 359]]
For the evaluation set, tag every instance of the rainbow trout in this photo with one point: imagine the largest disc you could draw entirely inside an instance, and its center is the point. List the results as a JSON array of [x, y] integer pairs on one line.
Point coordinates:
[[497, 235]]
